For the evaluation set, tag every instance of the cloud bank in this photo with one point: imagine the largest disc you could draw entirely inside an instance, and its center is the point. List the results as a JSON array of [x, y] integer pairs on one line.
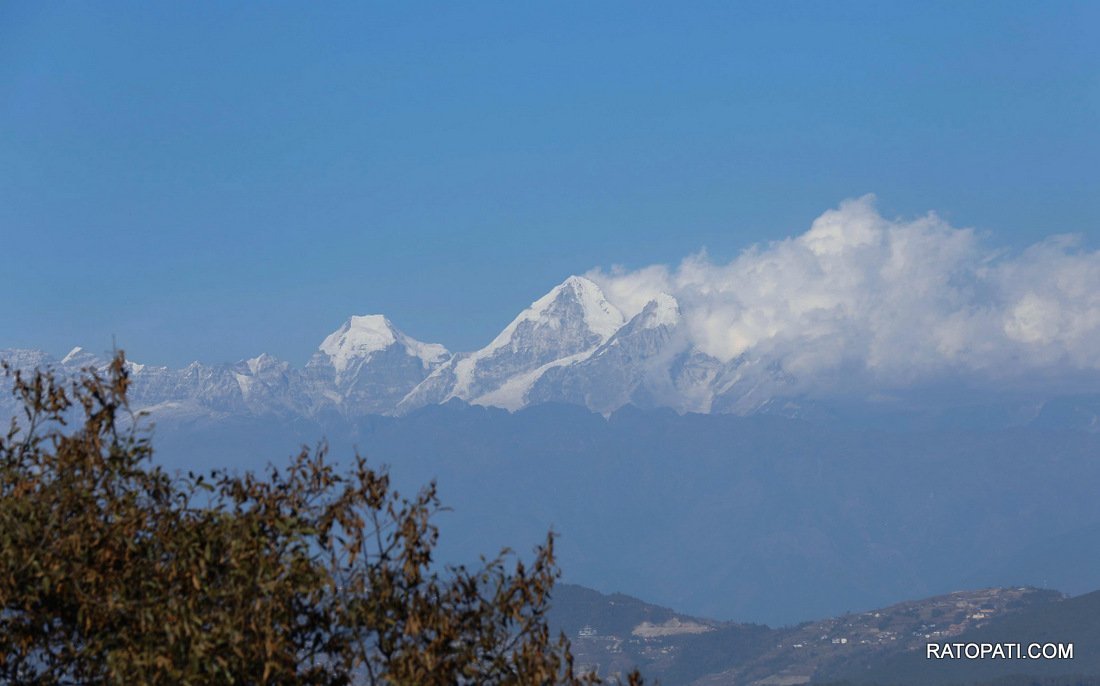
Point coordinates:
[[893, 302]]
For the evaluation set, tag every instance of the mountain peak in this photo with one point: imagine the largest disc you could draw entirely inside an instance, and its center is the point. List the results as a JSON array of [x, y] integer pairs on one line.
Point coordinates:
[[579, 283], [359, 336], [575, 293], [261, 362], [371, 324], [561, 327], [664, 310], [363, 335]]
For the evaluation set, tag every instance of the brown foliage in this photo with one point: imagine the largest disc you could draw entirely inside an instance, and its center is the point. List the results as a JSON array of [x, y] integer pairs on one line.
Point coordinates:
[[113, 571]]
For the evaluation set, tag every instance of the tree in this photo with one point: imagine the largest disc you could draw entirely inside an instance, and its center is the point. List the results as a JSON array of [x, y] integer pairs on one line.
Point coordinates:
[[115, 571]]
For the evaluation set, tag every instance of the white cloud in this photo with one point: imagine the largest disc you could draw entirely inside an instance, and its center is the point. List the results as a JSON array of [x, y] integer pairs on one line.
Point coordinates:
[[890, 301]]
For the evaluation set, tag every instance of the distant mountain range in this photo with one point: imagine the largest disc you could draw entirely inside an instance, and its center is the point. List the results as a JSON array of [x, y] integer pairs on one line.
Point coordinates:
[[570, 346]]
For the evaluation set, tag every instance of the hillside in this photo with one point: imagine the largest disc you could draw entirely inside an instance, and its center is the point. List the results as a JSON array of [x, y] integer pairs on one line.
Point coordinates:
[[1072, 620], [880, 647]]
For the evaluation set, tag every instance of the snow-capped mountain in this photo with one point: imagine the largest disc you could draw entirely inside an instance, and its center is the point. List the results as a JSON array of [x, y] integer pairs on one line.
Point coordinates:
[[367, 366], [364, 367], [563, 327], [571, 345], [641, 364]]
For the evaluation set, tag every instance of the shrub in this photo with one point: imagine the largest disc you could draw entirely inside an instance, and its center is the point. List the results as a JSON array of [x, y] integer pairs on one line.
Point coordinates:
[[113, 571]]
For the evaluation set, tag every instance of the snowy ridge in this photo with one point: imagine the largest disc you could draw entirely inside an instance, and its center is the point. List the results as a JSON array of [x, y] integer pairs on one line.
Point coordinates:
[[601, 317], [571, 345], [512, 394], [359, 336], [663, 310], [565, 325], [362, 335]]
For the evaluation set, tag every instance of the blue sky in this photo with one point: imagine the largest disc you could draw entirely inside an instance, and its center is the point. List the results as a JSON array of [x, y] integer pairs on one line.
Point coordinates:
[[213, 180]]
